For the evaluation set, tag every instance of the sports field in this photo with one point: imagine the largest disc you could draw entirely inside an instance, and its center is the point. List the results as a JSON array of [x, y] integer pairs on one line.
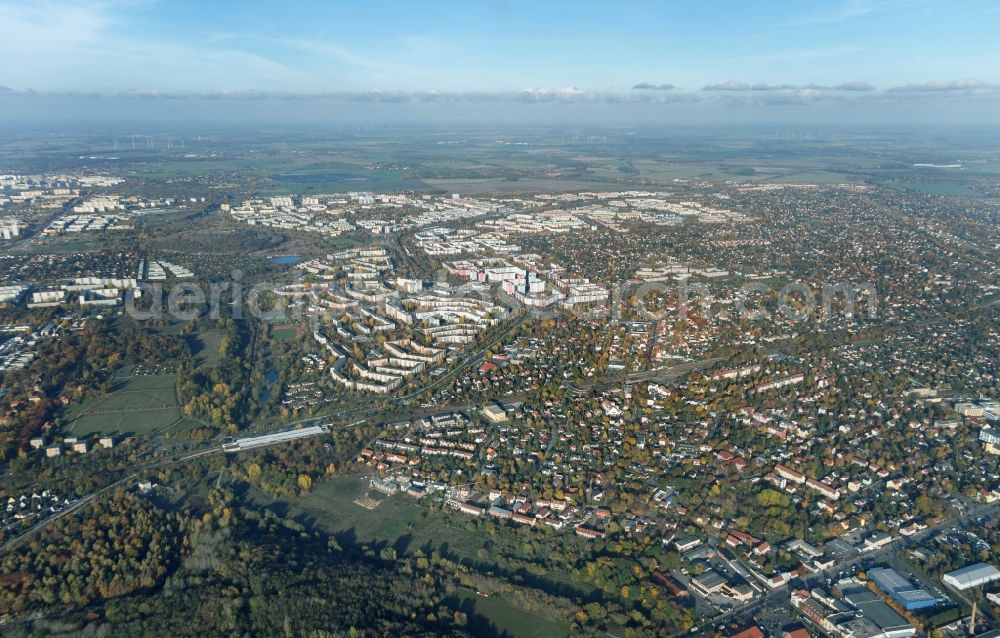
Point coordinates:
[[284, 332]]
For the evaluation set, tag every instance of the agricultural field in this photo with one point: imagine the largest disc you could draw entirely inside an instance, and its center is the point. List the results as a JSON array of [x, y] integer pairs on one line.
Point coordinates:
[[477, 186]]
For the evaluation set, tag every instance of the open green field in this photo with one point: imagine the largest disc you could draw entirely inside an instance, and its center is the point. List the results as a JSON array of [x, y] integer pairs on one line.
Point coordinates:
[[752, 169], [142, 405], [204, 347], [200, 165], [339, 177], [485, 186], [62, 244], [650, 169], [398, 520], [989, 168], [402, 521], [508, 619], [331, 506], [812, 177], [318, 186], [277, 173], [284, 334]]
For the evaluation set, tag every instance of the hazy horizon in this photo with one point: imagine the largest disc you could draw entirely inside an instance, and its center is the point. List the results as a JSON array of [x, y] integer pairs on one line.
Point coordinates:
[[854, 62]]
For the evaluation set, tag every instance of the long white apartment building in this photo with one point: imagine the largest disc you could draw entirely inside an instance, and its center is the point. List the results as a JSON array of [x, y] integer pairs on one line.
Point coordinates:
[[380, 375]]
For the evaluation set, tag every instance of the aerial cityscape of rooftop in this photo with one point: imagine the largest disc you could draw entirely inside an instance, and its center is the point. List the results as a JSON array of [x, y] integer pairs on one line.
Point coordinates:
[[500, 319]]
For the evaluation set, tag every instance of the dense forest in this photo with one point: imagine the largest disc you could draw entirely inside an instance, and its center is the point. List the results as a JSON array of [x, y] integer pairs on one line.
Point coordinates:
[[131, 567], [125, 546], [141, 565]]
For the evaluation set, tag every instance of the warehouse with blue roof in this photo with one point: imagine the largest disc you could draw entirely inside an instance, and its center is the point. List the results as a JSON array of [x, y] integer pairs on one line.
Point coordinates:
[[908, 595]]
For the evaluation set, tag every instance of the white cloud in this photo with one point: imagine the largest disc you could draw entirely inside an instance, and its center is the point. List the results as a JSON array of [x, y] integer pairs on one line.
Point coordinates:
[[647, 86], [857, 85], [731, 85], [947, 86]]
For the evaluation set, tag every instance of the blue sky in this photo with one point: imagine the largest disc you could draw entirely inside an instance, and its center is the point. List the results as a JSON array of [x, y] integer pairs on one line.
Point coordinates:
[[856, 52]]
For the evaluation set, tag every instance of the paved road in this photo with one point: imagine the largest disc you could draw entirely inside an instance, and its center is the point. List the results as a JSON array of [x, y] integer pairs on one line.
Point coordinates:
[[366, 410], [468, 361], [133, 475], [90, 498], [667, 373], [779, 597], [215, 446], [671, 373]]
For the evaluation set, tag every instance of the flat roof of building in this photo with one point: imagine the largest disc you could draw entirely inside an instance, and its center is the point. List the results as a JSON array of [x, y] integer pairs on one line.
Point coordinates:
[[875, 610], [972, 575], [914, 596], [889, 579], [710, 580], [268, 439], [861, 628]]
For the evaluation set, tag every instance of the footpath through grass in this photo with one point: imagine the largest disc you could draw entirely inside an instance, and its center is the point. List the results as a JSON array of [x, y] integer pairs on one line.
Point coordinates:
[[137, 405]]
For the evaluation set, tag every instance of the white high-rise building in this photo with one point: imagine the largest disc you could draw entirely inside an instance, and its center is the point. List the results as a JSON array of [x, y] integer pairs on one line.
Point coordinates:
[[9, 228]]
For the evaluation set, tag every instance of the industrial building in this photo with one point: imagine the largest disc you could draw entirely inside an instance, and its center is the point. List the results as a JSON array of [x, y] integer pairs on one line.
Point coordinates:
[[879, 614], [970, 576], [901, 590]]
